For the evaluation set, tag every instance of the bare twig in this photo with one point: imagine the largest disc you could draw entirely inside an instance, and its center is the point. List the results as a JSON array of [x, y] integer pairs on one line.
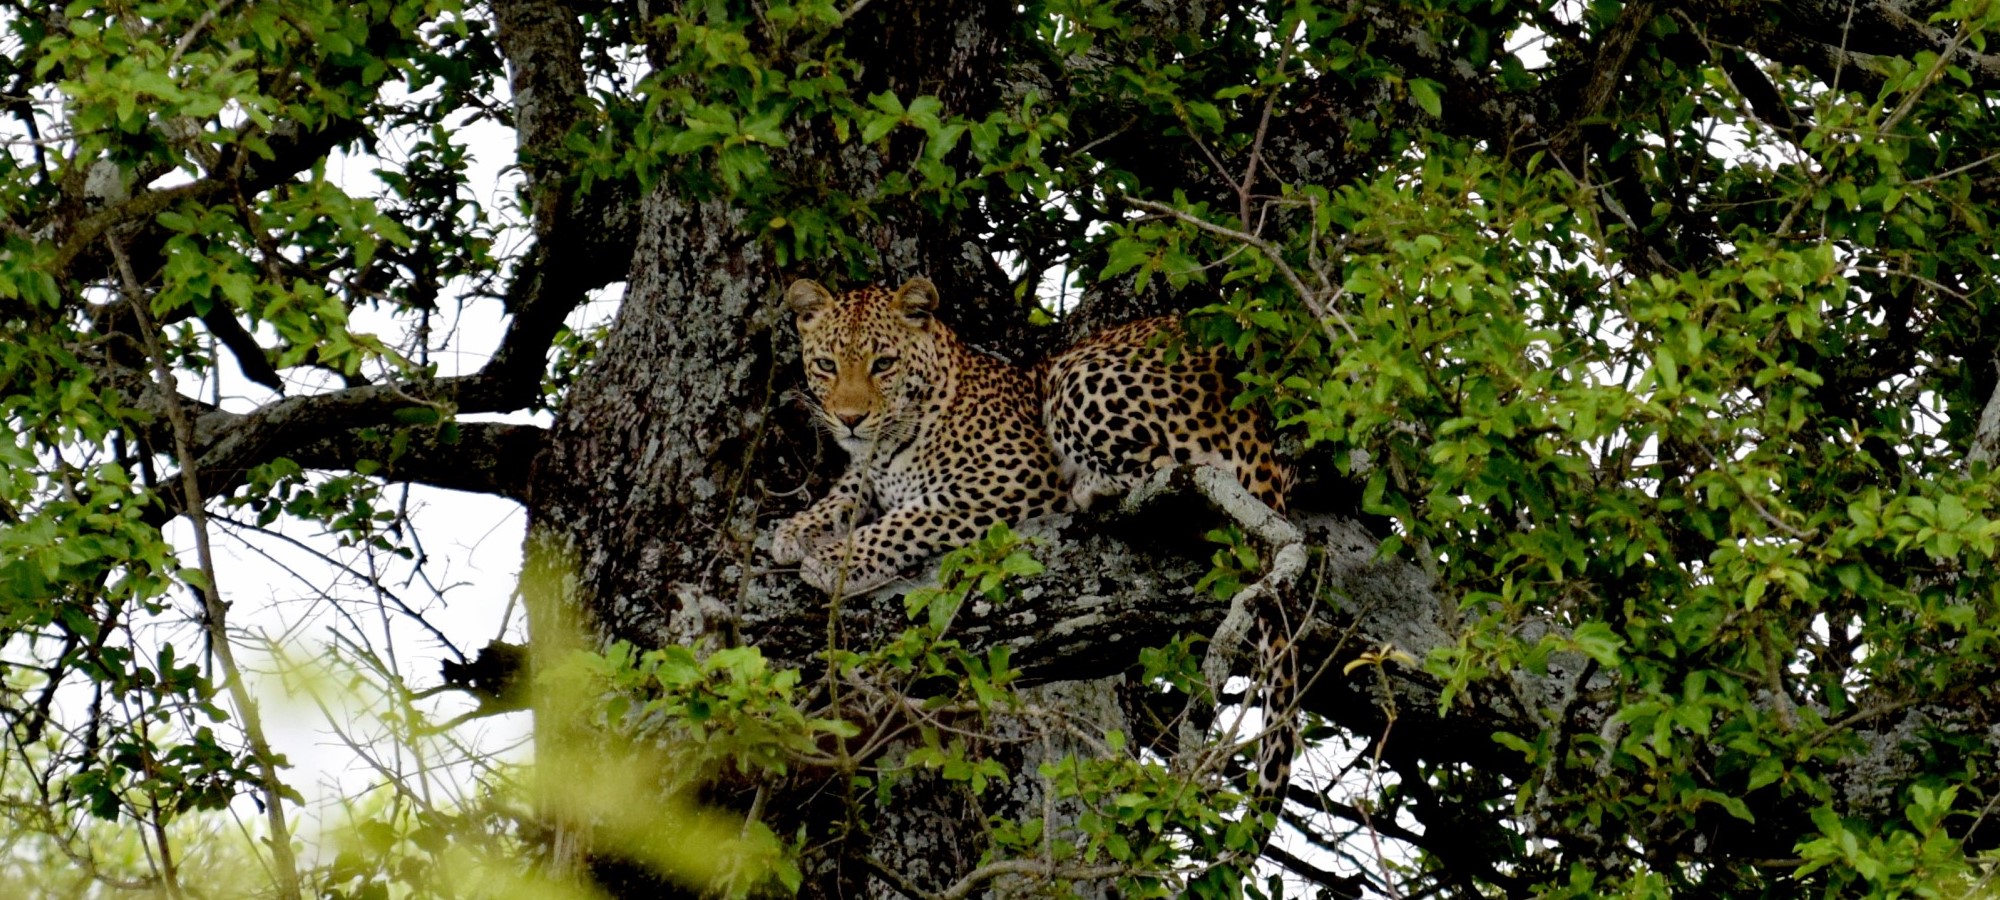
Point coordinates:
[[895, 879], [1757, 506], [1930, 78], [373, 583], [194, 32], [1368, 820], [216, 611], [1929, 180], [1321, 312], [1848, 722], [1249, 180]]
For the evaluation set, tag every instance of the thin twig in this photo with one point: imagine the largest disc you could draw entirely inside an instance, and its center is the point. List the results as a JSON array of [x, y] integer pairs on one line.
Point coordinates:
[[1321, 312], [1249, 180], [200, 25], [374, 584], [895, 879], [1846, 723], [1930, 78], [853, 11], [1929, 180], [1367, 820], [170, 878], [217, 612], [1758, 506]]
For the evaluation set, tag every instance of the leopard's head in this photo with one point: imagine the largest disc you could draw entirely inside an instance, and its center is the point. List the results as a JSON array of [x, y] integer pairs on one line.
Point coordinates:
[[873, 357]]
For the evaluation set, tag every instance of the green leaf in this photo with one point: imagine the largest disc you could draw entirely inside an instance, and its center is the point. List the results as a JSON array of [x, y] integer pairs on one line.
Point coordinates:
[[1597, 641], [1020, 564], [418, 415], [874, 128], [1125, 254], [1425, 92]]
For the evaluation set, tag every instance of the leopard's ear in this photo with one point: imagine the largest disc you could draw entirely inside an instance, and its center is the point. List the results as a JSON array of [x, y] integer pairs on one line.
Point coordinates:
[[805, 298], [917, 298]]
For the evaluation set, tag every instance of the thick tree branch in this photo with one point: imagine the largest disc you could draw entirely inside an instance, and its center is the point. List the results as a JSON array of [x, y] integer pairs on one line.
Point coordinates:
[[1333, 885], [1842, 38], [82, 256], [251, 359], [543, 42], [583, 241], [86, 231], [572, 256], [1606, 72], [1986, 435], [1756, 87], [555, 276], [1117, 584], [324, 431], [479, 457]]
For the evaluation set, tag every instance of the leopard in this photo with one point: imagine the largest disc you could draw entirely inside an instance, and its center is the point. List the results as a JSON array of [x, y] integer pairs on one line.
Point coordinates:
[[943, 441]]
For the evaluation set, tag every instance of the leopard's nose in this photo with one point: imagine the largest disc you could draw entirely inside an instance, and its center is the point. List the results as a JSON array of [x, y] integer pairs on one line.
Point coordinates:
[[851, 419]]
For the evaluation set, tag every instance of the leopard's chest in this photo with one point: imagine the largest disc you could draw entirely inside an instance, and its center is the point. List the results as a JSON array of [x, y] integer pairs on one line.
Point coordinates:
[[901, 482], [953, 453]]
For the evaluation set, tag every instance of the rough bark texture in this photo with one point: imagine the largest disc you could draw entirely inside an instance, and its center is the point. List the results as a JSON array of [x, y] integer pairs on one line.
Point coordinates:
[[669, 431]]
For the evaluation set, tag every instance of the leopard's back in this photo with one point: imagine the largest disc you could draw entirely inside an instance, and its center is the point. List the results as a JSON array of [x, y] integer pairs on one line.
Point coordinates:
[[1138, 397]]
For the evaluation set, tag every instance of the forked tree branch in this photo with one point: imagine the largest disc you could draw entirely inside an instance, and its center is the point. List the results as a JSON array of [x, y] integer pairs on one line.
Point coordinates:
[[583, 243]]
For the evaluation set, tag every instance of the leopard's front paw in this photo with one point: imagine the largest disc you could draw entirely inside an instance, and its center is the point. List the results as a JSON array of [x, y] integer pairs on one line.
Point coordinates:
[[842, 573], [819, 572], [793, 539]]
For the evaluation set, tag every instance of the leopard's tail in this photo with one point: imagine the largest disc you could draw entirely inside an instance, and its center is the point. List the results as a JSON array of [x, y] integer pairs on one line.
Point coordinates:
[[1282, 739]]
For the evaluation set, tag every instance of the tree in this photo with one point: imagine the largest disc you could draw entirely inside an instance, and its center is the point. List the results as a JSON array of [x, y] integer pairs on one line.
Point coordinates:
[[1636, 358]]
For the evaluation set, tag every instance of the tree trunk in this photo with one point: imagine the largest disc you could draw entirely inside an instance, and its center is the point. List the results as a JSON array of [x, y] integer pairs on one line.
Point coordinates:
[[654, 492]]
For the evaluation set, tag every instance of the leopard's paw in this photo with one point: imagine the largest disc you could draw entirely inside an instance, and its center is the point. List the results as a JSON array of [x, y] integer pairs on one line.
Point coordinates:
[[792, 540], [839, 574]]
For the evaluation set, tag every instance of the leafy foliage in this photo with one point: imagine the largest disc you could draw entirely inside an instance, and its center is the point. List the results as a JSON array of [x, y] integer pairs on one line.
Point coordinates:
[[1657, 338]]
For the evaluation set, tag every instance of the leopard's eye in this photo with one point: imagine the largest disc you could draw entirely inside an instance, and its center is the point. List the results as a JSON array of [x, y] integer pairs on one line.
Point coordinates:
[[881, 365], [825, 364]]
